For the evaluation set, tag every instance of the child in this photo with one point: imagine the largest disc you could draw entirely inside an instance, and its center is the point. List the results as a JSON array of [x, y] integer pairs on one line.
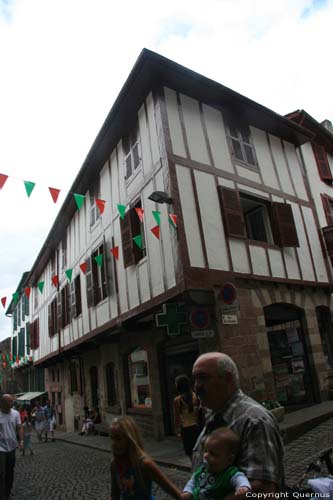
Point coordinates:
[[27, 431], [132, 470], [217, 477]]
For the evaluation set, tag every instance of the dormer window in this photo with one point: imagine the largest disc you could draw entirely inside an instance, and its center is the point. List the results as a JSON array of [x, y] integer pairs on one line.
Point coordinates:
[[240, 140], [131, 148]]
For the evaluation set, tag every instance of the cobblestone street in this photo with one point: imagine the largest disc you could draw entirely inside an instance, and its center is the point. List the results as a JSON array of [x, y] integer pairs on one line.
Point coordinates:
[[60, 471]]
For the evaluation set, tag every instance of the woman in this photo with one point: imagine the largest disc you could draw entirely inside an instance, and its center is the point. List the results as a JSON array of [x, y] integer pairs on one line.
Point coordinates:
[[186, 414]]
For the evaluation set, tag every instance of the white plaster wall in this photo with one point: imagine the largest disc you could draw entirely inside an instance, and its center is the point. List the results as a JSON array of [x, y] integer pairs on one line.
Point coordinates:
[[194, 131], [264, 158], [240, 260], [175, 128], [217, 139], [303, 249], [276, 263], [295, 170], [315, 244], [259, 260], [281, 165]]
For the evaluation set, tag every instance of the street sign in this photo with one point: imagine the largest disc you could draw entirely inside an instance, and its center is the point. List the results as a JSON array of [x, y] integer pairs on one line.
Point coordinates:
[[229, 319], [202, 334], [199, 318], [228, 293], [230, 308]]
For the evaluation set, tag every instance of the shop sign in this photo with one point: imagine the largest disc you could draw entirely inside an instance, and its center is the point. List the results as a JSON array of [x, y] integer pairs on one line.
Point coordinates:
[[202, 334], [230, 319], [230, 308]]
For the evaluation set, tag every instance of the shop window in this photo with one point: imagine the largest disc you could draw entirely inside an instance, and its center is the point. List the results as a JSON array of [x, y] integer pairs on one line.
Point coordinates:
[[326, 333], [94, 193], [131, 149], [130, 227], [240, 141], [140, 388], [111, 384]]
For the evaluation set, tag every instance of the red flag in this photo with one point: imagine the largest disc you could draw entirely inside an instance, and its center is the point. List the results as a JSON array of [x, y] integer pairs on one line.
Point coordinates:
[[173, 220], [55, 280], [3, 301], [83, 267], [115, 252], [4, 364], [54, 193], [101, 205], [140, 213], [156, 231], [17, 359], [3, 357], [27, 291], [3, 179]]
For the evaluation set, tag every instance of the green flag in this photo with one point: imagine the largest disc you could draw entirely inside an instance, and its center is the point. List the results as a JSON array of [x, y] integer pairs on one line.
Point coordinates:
[[29, 186], [69, 273], [99, 260], [157, 217], [121, 210], [79, 199], [40, 286], [15, 297], [138, 240]]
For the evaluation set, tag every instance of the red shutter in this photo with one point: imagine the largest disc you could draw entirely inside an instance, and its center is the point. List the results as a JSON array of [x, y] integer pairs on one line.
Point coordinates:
[[32, 336], [327, 208], [36, 333], [232, 212], [284, 223], [328, 236], [126, 238], [322, 162]]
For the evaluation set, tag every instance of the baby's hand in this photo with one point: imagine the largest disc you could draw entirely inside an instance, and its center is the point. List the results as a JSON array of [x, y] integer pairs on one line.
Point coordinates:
[[240, 492], [186, 496]]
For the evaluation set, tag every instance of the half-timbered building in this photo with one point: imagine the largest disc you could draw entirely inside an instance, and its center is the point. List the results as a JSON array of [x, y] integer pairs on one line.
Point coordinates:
[[218, 249]]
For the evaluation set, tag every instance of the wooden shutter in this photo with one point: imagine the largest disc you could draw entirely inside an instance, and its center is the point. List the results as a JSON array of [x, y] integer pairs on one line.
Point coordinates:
[[232, 212], [322, 162], [51, 326], [72, 300], [284, 225], [327, 208], [32, 336], [77, 293], [104, 271], [36, 333], [89, 283], [59, 312], [328, 237], [126, 238]]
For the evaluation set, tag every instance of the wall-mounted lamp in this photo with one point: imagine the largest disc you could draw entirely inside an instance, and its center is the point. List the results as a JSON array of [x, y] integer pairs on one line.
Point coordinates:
[[160, 197]]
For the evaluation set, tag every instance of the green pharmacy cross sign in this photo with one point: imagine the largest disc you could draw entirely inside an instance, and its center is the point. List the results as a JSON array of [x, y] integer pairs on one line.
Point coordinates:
[[171, 318]]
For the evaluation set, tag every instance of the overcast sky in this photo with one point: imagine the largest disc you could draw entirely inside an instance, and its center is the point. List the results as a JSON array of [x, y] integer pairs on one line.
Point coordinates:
[[63, 63]]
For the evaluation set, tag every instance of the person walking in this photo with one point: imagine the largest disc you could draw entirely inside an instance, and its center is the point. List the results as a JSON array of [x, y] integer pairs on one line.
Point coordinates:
[[27, 433], [49, 413], [186, 414], [260, 457], [10, 427], [38, 415]]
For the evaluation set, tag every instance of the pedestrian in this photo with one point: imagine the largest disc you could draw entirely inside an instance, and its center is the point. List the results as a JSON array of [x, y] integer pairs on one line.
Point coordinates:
[[38, 415], [132, 470], [49, 413], [217, 476], [27, 433], [261, 450], [23, 413], [10, 426], [186, 414]]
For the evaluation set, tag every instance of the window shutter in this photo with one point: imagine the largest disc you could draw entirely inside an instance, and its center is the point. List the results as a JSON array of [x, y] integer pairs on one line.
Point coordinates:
[[27, 334], [232, 212], [284, 225], [77, 298], [322, 162], [328, 237], [51, 326], [36, 333], [104, 271], [327, 209], [59, 312], [72, 300], [89, 283], [32, 336], [126, 238]]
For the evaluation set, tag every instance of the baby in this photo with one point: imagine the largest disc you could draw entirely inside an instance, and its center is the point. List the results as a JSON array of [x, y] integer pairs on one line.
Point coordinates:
[[217, 477]]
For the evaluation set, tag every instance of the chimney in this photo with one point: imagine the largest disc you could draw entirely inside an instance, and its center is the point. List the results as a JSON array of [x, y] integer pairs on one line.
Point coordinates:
[[328, 125]]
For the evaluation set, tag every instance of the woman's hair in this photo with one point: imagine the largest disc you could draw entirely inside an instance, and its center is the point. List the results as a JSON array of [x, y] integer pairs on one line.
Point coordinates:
[[184, 388], [131, 431]]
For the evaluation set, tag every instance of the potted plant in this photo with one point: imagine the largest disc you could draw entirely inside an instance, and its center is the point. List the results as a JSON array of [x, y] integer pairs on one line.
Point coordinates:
[[275, 408]]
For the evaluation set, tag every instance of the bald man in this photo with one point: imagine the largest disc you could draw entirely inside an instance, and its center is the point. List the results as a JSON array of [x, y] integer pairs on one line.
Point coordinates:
[[10, 427], [216, 382]]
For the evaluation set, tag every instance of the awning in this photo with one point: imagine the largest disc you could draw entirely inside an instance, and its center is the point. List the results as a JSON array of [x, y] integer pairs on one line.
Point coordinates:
[[28, 396]]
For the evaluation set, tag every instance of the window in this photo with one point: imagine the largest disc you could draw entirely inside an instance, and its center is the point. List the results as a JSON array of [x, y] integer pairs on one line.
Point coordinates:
[[322, 163], [64, 252], [14, 347], [53, 323], [96, 276], [111, 384], [131, 152], [36, 292], [27, 336], [21, 341], [241, 143], [95, 213], [248, 217], [15, 319], [65, 305], [34, 334], [26, 305], [18, 307], [76, 302], [140, 389], [130, 227], [23, 306]]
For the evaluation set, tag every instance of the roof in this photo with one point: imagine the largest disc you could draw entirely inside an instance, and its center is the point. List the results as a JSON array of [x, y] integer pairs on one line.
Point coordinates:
[[150, 72], [29, 396], [320, 133]]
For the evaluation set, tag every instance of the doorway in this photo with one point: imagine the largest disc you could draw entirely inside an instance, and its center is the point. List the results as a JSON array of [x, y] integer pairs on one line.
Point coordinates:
[[94, 386]]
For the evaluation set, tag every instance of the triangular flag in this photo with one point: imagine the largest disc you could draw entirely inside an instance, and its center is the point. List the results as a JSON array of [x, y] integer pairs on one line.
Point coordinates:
[[3, 356], [157, 217], [79, 199], [140, 213], [83, 267], [115, 252], [3, 179], [11, 356], [54, 193], [173, 220], [121, 210], [156, 231], [7, 357], [17, 360], [69, 273], [4, 364], [138, 240], [15, 297], [99, 260], [101, 205], [27, 291], [3, 301], [29, 186], [55, 280], [40, 286]]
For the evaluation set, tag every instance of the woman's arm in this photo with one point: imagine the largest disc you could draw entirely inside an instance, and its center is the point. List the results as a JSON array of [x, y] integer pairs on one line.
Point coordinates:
[[154, 473]]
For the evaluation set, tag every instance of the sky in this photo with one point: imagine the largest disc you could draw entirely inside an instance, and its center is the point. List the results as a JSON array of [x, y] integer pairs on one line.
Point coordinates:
[[63, 63]]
